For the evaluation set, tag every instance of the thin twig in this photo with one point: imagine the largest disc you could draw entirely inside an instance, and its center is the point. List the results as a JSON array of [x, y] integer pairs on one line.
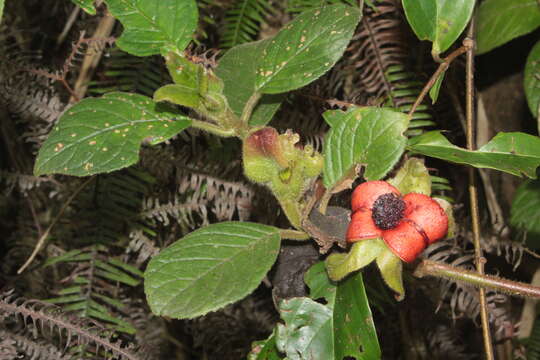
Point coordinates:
[[473, 191], [45, 235], [473, 278], [441, 69]]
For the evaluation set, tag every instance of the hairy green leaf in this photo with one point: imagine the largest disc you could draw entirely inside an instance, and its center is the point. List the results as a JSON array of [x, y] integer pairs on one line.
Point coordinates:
[[237, 68], [340, 329], [500, 21], [525, 214], [210, 268], [306, 48], [104, 134], [86, 5], [439, 21], [532, 81], [152, 27], [369, 136], [514, 153]]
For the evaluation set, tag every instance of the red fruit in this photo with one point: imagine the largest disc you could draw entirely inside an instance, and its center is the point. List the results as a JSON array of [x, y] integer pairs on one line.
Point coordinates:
[[366, 193], [422, 222]]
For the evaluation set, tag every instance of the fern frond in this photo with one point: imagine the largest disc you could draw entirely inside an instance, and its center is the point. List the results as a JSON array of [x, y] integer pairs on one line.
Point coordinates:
[[243, 21], [125, 72], [91, 290], [380, 51], [28, 347], [69, 330]]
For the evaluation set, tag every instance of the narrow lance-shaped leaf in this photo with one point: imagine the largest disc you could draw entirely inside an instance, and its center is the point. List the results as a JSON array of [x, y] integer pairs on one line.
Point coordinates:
[[104, 134], [439, 21], [532, 81], [369, 136], [210, 268], [514, 153], [306, 48], [237, 68], [152, 27], [500, 21]]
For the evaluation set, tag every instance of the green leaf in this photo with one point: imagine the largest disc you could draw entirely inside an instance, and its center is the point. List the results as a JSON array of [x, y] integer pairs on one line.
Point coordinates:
[[306, 48], [210, 268], [265, 350], [152, 27], [362, 253], [515, 153], [307, 330], [179, 94], [500, 21], [439, 21], [104, 134], [532, 81], [86, 5], [413, 176], [340, 329], [237, 68], [524, 212], [436, 88], [2, 3], [391, 269], [369, 136]]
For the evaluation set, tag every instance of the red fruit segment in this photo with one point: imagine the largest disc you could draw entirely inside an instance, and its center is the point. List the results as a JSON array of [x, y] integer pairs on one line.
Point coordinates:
[[405, 241], [427, 214], [362, 227], [366, 193]]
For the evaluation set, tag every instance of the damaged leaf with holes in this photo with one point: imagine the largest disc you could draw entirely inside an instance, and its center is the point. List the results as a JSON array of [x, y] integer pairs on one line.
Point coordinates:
[[342, 327], [99, 135]]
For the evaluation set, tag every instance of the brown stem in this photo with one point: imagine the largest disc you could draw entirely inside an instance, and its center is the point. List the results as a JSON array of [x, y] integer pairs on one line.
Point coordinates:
[[41, 242], [482, 281], [473, 191], [442, 68]]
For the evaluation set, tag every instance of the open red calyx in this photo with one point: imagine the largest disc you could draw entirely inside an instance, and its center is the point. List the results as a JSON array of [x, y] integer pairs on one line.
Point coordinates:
[[407, 224]]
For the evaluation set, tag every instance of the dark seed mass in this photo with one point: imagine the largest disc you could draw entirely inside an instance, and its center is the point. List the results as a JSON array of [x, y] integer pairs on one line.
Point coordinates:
[[388, 211]]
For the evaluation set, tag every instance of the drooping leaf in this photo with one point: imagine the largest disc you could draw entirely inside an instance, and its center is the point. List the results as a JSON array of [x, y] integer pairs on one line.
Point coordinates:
[[340, 329], [439, 21], [525, 214], [369, 136], [514, 153], [86, 5], [240, 84], [104, 134], [500, 21], [306, 48], [152, 27], [391, 268], [532, 81], [210, 268], [436, 88]]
